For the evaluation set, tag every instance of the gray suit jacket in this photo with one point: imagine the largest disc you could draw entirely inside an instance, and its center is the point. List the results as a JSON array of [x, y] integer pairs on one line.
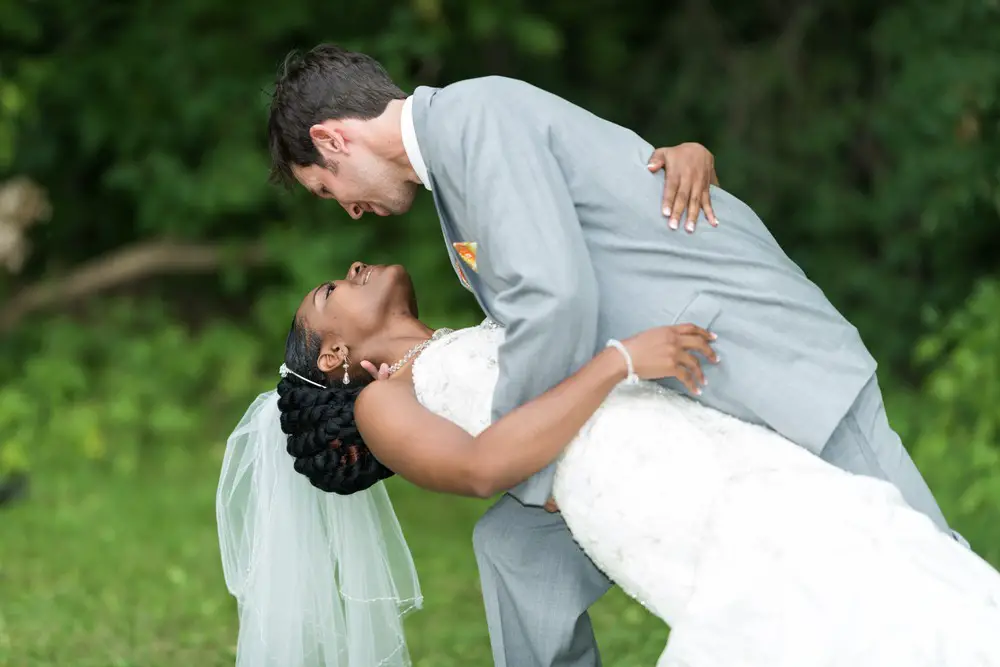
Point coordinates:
[[572, 250]]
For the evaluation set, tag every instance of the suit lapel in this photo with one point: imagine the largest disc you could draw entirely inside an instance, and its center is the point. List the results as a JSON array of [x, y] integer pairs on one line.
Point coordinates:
[[468, 277], [449, 229]]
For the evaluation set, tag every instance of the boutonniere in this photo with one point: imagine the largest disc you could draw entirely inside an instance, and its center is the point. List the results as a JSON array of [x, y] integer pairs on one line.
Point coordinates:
[[461, 276], [467, 251]]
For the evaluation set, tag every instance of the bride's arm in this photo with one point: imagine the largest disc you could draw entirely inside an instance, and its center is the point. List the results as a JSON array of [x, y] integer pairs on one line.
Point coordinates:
[[436, 454]]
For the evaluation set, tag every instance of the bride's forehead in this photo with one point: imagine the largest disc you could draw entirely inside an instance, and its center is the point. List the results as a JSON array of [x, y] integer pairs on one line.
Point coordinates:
[[308, 304]]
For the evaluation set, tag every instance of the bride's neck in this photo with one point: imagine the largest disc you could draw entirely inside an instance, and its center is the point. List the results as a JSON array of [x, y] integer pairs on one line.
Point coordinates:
[[398, 338]]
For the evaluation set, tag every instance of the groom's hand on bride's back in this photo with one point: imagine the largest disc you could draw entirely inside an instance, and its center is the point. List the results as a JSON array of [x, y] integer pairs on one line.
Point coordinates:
[[690, 171]]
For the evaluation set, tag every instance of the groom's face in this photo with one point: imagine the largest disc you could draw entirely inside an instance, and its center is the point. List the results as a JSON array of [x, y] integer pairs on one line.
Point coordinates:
[[356, 177]]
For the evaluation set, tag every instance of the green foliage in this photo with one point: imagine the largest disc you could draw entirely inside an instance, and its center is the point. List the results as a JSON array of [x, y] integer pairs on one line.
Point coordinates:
[[958, 425], [100, 394], [11, 103], [866, 135]]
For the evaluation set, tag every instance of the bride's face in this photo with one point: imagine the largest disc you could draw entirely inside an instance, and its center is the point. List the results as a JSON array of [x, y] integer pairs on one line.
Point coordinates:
[[356, 308]]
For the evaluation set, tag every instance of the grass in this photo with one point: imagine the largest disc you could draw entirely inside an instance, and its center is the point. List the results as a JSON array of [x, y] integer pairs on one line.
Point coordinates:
[[108, 570]]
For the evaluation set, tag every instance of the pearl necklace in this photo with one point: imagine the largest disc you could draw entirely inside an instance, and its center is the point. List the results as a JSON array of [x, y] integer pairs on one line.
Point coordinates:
[[417, 349]]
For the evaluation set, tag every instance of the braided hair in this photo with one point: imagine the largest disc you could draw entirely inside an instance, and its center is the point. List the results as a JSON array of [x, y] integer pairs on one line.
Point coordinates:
[[322, 435]]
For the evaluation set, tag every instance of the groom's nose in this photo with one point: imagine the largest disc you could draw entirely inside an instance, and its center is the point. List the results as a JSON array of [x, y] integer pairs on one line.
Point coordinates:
[[354, 210]]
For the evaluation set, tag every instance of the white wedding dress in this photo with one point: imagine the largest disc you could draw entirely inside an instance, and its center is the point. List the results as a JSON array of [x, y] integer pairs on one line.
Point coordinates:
[[754, 551]]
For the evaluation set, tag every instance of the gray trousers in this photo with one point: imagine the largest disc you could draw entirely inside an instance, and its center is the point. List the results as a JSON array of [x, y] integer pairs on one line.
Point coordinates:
[[865, 444], [538, 584]]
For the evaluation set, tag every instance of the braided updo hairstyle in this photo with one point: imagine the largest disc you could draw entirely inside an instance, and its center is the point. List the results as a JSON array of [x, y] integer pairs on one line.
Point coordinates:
[[322, 436]]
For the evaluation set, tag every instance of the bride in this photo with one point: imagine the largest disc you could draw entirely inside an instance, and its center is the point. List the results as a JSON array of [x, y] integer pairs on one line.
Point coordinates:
[[754, 551]]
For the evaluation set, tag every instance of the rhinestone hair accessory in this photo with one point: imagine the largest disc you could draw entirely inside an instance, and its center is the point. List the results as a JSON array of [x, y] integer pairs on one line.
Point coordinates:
[[285, 371]]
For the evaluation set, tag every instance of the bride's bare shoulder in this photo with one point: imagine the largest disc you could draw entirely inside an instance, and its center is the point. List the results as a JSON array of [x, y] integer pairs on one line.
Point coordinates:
[[385, 403], [404, 435], [384, 395]]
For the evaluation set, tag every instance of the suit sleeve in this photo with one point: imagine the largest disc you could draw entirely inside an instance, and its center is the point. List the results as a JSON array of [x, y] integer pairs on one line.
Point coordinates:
[[532, 257]]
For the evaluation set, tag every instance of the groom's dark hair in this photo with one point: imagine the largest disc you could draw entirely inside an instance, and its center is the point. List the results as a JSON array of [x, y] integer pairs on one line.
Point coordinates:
[[328, 82], [319, 422]]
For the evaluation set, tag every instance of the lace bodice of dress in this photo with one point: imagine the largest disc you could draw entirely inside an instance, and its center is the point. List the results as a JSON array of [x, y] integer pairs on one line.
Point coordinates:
[[455, 376]]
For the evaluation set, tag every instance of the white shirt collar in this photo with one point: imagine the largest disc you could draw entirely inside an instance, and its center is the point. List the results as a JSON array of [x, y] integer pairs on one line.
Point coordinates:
[[410, 144]]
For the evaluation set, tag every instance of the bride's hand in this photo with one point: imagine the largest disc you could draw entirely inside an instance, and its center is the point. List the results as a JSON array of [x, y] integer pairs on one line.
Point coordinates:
[[690, 171], [381, 373], [669, 352]]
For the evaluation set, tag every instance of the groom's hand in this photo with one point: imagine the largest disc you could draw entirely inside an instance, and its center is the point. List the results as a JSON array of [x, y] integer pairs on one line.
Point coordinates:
[[690, 170]]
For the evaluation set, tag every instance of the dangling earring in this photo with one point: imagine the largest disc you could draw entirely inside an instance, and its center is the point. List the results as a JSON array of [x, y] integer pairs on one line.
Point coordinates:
[[347, 378]]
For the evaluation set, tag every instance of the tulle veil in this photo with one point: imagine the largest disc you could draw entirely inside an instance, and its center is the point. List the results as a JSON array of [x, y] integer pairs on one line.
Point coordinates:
[[321, 580]]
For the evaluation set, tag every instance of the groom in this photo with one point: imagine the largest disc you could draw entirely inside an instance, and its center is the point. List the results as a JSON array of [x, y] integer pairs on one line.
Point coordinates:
[[550, 216]]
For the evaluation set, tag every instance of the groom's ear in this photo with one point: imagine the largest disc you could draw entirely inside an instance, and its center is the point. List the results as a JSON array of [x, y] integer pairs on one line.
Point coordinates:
[[328, 138]]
